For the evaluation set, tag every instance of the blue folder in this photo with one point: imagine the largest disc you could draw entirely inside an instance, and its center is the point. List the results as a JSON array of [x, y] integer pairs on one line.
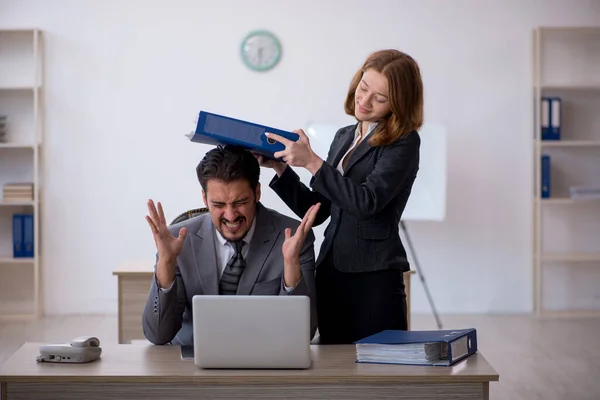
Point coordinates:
[[23, 235], [437, 348], [17, 234], [551, 118], [28, 235], [218, 129], [545, 178]]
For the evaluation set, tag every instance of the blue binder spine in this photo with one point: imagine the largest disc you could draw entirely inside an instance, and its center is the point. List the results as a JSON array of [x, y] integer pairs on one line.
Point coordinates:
[[545, 176], [555, 118], [545, 118], [28, 237], [462, 347], [17, 233]]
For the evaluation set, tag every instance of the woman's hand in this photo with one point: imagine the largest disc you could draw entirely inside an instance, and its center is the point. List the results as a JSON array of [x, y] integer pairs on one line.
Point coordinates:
[[299, 153], [266, 162]]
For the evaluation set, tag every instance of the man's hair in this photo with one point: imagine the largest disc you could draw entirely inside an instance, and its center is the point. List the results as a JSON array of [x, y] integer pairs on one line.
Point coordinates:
[[227, 164]]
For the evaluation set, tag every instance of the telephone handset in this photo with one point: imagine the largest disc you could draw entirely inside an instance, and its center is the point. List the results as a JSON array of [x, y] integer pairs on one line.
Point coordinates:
[[82, 349]]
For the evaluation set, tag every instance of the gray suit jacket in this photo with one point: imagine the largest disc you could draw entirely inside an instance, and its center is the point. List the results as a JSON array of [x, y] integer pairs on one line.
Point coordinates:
[[365, 203], [167, 316]]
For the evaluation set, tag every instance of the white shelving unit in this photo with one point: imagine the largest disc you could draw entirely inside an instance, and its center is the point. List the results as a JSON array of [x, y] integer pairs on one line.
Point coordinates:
[[20, 101], [566, 257]]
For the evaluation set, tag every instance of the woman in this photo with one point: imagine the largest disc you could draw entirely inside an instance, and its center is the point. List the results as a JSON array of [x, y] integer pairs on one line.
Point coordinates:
[[363, 186]]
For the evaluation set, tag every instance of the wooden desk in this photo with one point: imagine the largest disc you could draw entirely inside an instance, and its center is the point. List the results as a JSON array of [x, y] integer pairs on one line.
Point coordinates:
[[133, 280], [157, 372]]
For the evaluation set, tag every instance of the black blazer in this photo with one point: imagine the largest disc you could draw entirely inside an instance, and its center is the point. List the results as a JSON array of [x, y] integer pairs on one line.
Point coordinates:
[[365, 203]]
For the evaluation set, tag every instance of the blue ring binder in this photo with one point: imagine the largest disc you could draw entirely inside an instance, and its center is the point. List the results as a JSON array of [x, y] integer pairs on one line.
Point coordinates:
[[218, 129]]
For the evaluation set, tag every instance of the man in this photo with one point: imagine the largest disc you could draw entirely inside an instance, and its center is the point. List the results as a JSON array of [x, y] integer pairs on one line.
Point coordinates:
[[239, 248]]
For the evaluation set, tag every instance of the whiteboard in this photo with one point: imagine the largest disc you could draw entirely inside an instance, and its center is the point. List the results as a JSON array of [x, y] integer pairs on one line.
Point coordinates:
[[427, 201]]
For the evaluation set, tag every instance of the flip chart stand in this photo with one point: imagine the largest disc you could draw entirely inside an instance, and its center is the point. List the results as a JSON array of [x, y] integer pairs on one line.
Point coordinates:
[[420, 273]]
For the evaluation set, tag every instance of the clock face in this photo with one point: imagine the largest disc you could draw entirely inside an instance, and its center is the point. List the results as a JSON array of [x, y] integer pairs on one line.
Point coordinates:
[[261, 50]]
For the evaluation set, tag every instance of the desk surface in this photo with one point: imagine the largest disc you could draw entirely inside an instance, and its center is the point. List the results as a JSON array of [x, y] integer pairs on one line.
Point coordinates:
[[127, 363], [144, 267]]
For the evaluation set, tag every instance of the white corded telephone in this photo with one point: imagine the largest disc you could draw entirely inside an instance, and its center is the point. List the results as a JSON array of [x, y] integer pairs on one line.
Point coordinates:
[[82, 349]]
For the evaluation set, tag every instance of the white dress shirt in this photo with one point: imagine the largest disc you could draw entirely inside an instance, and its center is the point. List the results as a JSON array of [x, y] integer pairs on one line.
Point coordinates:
[[225, 250], [340, 166]]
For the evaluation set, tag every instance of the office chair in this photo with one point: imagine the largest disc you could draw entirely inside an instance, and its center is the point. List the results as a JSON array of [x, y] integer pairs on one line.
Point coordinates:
[[189, 214]]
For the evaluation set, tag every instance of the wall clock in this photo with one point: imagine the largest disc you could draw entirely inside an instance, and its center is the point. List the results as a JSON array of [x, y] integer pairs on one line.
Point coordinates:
[[260, 50]]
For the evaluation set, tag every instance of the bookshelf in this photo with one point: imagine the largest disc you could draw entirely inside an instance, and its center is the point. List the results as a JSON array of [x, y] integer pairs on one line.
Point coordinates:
[[20, 146], [566, 226]]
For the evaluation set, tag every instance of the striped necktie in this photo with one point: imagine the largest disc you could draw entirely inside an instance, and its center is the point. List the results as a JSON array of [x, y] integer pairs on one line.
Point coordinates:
[[230, 278]]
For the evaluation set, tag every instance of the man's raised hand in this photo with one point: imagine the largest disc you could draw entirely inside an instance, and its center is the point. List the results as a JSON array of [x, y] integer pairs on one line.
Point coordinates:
[[292, 247], [167, 246]]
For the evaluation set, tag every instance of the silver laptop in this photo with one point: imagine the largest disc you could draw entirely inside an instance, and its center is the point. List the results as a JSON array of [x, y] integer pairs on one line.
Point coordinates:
[[251, 331]]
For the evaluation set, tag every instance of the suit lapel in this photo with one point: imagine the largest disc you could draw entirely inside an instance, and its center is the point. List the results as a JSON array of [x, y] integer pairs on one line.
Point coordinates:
[[261, 245], [203, 245], [358, 153], [345, 142]]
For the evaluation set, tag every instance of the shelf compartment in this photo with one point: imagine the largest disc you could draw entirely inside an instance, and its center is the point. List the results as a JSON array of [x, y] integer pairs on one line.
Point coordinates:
[[18, 108], [580, 46], [580, 117], [570, 287], [17, 59], [17, 293]]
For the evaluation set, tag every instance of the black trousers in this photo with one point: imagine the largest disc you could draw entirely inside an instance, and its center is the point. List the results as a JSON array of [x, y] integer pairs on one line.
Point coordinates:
[[351, 306]]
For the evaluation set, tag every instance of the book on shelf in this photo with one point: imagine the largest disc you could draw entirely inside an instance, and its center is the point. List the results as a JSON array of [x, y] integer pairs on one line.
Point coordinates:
[[435, 348], [16, 192]]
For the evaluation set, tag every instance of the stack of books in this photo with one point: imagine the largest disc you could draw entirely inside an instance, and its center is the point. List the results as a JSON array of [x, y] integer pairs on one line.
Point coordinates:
[[436, 348], [18, 192]]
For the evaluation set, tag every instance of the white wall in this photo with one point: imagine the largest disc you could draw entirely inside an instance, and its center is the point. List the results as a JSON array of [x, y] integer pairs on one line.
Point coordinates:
[[125, 78]]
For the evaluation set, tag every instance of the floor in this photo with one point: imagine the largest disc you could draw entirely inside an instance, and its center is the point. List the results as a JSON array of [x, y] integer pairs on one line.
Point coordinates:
[[535, 358]]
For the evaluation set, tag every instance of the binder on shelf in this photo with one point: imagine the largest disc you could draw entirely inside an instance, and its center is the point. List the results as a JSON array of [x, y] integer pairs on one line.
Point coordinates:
[[545, 176], [551, 118], [23, 236], [28, 235], [555, 118], [17, 233], [545, 123], [218, 129], [435, 348]]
